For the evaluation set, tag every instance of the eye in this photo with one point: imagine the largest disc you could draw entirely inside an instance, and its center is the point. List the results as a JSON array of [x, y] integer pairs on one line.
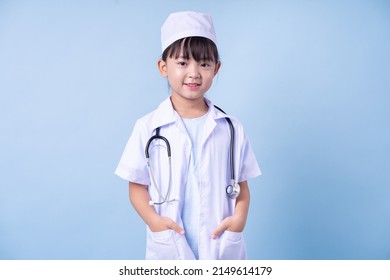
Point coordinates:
[[205, 65], [181, 63]]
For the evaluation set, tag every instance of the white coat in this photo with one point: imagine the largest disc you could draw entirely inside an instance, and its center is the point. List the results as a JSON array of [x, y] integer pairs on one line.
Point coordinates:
[[214, 176]]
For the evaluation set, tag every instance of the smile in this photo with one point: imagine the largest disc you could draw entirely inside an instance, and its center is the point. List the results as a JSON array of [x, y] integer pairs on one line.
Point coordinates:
[[192, 85]]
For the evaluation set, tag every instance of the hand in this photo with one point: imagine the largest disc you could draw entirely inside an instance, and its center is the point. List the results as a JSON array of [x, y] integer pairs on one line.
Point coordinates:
[[163, 223], [233, 223]]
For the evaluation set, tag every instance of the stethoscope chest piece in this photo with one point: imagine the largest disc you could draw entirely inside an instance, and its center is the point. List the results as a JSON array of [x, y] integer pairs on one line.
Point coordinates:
[[233, 190]]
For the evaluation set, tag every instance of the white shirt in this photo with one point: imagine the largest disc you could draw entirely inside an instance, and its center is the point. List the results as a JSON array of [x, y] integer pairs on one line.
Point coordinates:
[[214, 176], [190, 214]]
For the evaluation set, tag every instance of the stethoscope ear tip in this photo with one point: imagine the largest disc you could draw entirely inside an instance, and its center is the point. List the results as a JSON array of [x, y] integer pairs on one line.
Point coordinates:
[[151, 202]]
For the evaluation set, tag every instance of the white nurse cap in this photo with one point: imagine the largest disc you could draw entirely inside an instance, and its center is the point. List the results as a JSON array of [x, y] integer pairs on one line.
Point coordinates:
[[186, 24]]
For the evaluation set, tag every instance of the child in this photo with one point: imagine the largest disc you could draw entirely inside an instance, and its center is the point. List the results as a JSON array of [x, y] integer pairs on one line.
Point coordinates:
[[182, 193]]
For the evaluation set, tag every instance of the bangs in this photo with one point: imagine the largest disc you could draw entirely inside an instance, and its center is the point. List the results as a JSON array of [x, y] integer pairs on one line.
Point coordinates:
[[199, 48]]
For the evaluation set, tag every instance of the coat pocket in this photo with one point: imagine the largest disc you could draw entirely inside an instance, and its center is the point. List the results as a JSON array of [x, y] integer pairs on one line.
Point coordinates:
[[232, 246], [167, 245]]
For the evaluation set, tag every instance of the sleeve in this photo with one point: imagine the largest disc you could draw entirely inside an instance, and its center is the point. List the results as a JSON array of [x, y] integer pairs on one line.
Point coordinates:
[[248, 166], [132, 166]]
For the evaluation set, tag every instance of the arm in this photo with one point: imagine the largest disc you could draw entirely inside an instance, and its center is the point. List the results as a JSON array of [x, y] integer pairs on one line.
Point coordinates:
[[139, 198], [236, 222]]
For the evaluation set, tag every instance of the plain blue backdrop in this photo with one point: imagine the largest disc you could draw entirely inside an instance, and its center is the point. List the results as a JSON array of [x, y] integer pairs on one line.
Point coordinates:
[[308, 79]]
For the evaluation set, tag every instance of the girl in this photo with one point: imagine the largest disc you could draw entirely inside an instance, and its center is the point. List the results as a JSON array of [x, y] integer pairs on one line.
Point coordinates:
[[184, 159]]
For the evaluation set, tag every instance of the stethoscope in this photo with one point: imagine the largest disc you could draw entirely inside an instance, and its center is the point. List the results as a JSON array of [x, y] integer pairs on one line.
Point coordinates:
[[232, 190]]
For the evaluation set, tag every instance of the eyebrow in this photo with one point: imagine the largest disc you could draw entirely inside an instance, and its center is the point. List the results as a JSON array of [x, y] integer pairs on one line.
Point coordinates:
[[208, 59]]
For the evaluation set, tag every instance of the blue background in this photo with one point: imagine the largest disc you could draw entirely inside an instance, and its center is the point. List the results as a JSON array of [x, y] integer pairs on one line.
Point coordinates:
[[310, 80]]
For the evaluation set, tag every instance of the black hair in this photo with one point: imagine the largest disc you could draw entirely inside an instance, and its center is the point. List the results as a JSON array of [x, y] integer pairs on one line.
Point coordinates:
[[199, 48]]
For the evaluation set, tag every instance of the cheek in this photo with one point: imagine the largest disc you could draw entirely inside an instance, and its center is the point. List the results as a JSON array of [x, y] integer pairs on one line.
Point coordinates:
[[176, 74], [174, 78], [209, 76]]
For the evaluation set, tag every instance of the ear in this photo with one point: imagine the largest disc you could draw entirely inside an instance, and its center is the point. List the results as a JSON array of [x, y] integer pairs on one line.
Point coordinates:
[[162, 67], [217, 66]]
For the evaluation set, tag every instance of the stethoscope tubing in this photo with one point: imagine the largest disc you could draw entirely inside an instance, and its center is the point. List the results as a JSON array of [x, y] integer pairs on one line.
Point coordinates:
[[232, 176], [157, 136], [234, 187], [231, 149]]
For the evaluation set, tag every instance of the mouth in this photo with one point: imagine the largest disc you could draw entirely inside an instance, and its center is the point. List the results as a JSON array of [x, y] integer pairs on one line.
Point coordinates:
[[192, 85]]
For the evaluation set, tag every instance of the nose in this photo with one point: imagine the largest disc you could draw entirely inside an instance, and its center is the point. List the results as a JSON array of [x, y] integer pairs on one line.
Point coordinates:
[[193, 71]]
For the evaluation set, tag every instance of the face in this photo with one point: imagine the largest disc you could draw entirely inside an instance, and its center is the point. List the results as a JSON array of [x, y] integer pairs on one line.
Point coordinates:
[[189, 79]]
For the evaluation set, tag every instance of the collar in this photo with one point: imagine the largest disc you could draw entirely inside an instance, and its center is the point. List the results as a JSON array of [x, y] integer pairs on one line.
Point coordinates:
[[165, 113]]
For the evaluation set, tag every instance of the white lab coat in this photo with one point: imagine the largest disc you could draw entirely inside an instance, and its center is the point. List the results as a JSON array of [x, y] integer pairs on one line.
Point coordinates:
[[214, 169]]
